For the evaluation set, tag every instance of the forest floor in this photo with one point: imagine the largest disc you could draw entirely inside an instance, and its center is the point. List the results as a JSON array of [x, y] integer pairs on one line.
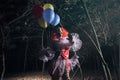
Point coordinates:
[[29, 76], [46, 76]]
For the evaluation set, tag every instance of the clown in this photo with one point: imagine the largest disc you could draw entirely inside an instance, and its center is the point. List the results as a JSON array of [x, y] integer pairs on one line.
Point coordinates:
[[61, 42], [66, 42]]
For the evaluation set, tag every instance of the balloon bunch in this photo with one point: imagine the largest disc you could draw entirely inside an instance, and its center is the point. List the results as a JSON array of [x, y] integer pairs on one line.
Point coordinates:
[[46, 15]]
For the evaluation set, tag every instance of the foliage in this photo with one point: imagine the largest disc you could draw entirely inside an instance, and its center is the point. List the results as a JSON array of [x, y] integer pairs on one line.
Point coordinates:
[[20, 27]]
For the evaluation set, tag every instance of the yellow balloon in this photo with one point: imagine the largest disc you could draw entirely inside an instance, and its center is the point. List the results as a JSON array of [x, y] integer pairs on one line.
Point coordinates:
[[42, 23], [48, 5]]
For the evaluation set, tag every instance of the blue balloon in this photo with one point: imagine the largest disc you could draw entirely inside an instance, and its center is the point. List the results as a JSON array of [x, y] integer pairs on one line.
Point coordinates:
[[48, 15], [56, 20]]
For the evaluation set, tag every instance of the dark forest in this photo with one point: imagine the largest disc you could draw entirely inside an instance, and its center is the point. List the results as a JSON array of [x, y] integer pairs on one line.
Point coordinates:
[[21, 38]]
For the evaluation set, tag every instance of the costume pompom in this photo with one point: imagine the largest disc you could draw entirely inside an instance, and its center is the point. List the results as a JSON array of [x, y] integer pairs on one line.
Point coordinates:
[[74, 61], [77, 43], [46, 54], [64, 43]]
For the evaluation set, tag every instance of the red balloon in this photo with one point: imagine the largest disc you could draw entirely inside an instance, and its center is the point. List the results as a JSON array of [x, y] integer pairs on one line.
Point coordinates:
[[37, 11]]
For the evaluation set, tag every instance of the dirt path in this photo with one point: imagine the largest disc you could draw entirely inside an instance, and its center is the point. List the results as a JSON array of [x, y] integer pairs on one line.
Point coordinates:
[[29, 76]]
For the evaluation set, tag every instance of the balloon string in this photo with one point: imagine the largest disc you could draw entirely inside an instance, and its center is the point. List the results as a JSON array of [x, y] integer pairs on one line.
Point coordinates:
[[42, 44], [43, 69], [61, 25]]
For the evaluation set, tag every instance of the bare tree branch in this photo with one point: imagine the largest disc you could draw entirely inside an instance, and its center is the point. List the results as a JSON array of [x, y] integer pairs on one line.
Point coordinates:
[[104, 65], [23, 15], [119, 56], [3, 54], [26, 51]]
